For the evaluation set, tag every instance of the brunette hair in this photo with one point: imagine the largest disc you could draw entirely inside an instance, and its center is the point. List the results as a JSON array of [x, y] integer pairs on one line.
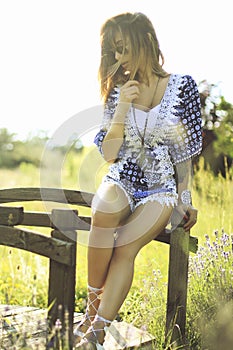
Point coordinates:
[[139, 32]]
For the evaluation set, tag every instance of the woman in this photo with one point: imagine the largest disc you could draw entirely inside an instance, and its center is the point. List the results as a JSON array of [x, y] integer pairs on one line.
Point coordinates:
[[151, 129]]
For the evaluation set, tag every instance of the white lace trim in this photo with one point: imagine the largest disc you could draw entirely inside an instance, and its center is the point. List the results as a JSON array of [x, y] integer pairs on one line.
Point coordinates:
[[163, 198]]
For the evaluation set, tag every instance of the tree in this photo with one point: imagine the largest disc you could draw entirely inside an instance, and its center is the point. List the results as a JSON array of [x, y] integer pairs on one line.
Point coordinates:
[[13, 152], [6, 146], [217, 115]]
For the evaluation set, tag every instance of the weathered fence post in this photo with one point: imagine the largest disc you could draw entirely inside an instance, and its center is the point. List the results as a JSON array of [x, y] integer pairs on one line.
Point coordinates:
[[177, 284], [62, 277]]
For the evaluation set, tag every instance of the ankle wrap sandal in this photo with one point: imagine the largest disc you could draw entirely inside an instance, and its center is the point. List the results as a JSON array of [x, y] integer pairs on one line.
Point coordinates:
[[93, 340], [87, 319]]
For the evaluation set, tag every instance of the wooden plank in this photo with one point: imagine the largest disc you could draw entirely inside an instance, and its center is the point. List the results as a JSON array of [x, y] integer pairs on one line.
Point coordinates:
[[12, 310], [58, 250], [27, 322], [61, 293], [177, 287], [62, 278], [122, 335], [68, 219], [33, 321], [165, 237], [11, 216], [193, 244], [84, 223], [64, 219], [46, 194], [40, 219]]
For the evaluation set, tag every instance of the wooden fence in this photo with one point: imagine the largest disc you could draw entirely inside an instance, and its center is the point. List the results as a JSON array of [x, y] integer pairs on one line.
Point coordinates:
[[60, 248]]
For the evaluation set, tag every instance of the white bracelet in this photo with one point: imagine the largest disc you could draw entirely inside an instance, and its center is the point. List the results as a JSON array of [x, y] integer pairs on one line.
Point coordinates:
[[186, 197]]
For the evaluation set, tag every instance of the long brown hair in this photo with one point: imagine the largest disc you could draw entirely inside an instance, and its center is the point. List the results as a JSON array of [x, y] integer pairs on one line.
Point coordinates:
[[141, 37]]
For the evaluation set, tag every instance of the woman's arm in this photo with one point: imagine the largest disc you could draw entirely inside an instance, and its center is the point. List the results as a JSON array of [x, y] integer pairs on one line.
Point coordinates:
[[114, 137], [184, 185]]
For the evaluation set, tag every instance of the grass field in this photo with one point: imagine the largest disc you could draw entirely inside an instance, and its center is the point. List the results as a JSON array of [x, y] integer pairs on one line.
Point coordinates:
[[24, 276]]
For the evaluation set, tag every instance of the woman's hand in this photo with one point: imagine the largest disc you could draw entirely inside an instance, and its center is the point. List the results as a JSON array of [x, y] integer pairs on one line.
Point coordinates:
[[190, 217], [189, 214], [128, 92]]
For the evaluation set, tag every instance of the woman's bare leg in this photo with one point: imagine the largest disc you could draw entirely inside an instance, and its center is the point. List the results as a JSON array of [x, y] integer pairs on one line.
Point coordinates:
[[143, 225], [110, 206]]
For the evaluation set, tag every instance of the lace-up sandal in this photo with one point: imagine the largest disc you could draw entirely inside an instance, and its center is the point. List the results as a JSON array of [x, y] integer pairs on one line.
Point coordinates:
[[91, 339], [94, 294]]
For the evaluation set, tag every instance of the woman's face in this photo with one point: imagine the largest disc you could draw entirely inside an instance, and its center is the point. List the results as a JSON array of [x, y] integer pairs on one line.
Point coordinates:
[[124, 56]]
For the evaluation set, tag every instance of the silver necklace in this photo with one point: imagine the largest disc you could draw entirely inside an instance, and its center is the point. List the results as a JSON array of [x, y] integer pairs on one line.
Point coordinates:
[[142, 135]]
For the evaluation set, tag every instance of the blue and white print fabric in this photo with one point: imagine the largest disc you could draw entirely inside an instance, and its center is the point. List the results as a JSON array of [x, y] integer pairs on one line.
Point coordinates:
[[173, 134]]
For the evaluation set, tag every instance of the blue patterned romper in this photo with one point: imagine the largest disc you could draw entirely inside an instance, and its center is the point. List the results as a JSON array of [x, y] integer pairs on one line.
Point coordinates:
[[173, 135]]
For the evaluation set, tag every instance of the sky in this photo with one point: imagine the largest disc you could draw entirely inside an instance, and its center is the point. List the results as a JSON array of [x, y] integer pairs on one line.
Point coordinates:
[[50, 54]]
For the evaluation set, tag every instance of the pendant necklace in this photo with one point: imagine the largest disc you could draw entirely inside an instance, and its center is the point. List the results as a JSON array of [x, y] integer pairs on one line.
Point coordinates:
[[142, 135]]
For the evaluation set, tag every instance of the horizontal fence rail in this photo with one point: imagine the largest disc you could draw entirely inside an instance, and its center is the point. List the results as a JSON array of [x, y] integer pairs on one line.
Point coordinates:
[[46, 194]]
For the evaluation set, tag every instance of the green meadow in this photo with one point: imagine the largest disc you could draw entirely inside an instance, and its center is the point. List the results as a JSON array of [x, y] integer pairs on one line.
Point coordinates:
[[23, 278]]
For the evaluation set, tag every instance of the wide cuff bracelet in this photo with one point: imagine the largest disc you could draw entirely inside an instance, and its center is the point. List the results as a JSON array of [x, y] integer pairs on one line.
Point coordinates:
[[186, 197]]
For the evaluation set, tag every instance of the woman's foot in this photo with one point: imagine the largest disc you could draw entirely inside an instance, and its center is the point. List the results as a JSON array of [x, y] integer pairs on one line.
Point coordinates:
[[92, 307], [82, 328], [94, 337]]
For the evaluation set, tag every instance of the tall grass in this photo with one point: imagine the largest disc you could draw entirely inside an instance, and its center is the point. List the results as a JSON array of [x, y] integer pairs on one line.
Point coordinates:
[[210, 269], [213, 198]]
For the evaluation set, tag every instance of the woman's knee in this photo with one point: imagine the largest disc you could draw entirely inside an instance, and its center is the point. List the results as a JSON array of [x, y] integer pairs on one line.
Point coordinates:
[[109, 207], [110, 199]]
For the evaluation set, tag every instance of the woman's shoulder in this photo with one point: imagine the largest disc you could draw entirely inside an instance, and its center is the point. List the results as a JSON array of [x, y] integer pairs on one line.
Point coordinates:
[[182, 78], [183, 84]]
